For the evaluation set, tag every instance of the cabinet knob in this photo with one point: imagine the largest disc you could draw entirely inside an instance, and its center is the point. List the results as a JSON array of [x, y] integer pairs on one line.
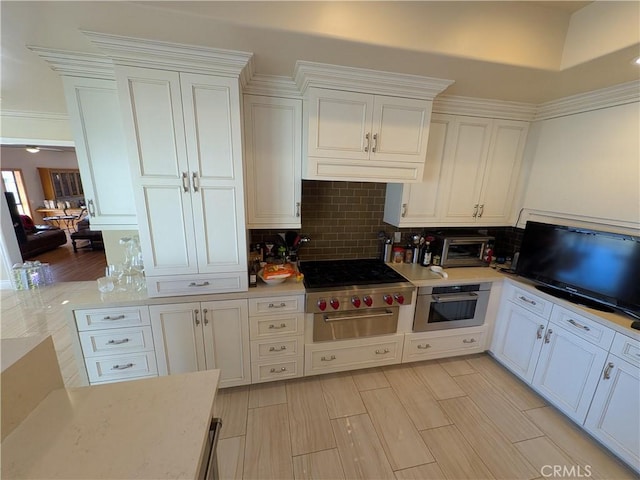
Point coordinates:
[[607, 371], [196, 182], [297, 209], [539, 332], [375, 143], [383, 351], [424, 347], [481, 211], [368, 139], [195, 313], [91, 208], [475, 211], [404, 210], [547, 337], [185, 181], [204, 316]]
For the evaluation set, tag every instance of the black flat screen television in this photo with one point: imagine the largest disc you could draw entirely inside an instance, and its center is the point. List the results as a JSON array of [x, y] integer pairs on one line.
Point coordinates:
[[594, 268]]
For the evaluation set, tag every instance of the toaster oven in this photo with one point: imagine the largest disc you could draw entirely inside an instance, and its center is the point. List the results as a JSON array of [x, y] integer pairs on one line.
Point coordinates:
[[461, 250]]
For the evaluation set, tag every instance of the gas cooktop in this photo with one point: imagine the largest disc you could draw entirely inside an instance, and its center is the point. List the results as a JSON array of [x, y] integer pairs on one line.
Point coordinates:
[[325, 274]]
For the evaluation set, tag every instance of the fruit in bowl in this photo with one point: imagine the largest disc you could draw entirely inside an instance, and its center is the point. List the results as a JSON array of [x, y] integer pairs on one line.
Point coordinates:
[[273, 274]]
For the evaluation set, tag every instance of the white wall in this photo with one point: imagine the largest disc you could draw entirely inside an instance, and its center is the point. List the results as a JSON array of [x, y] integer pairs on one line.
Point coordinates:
[[18, 158], [587, 166]]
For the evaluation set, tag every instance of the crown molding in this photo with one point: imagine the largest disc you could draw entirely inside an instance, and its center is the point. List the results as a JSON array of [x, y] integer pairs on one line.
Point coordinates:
[[76, 64], [272, 86], [584, 102], [479, 107], [34, 115], [139, 52], [311, 74]]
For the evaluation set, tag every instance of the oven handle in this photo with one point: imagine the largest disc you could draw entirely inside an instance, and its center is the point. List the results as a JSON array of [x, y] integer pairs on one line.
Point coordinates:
[[356, 317], [454, 298]]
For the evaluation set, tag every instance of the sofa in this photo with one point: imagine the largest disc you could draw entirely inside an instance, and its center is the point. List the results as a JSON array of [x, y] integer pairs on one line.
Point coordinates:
[[37, 239]]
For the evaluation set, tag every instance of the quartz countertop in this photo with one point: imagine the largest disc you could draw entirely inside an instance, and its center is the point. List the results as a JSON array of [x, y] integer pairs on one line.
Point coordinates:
[[144, 429]]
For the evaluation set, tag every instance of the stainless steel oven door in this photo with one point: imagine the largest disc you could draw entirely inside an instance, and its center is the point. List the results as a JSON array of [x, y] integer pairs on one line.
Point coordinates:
[[441, 311], [354, 324]]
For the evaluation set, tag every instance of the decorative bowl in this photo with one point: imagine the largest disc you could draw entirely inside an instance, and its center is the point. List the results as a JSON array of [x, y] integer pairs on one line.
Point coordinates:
[[274, 280]]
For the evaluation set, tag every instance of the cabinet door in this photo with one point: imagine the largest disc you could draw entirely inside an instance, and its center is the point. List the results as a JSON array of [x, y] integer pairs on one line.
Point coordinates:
[[339, 123], [568, 371], [226, 340], [273, 149], [94, 112], [614, 415], [465, 166], [415, 204], [212, 126], [400, 129], [154, 126], [518, 339], [501, 173], [178, 337]]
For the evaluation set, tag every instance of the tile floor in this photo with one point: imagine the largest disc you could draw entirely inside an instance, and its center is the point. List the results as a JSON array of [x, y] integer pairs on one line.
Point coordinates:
[[460, 418]]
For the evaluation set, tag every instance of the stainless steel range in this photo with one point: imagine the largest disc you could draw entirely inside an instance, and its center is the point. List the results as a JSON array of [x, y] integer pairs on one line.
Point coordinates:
[[354, 298]]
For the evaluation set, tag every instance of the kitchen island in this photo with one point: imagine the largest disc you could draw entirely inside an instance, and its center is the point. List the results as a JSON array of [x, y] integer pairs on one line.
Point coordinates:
[[145, 429]]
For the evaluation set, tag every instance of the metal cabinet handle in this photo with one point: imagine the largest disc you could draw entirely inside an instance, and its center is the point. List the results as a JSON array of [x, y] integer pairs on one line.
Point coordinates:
[[274, 349], [194, 284], [327, 359], [196, 182], [185, 181], [283, 369], [382, 352], [539, 332], [475, 211], [282, 325], [204, 316], [424, 347], [526, 300], [282, 304], [196, 312], [481, 210], [579, 325], [367, 138], [547, 336], [375, 143], [122, 367], [404, 210], [297, 209], [472, 340], [91, 208], [117, 342], [116, 317], [607, 371]]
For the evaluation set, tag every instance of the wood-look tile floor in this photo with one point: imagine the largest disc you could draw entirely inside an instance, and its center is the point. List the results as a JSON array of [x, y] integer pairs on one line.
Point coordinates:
[[461, 418]]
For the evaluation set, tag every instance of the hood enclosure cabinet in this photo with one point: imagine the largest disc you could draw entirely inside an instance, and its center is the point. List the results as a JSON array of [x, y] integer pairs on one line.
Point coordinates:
[[364, 125]]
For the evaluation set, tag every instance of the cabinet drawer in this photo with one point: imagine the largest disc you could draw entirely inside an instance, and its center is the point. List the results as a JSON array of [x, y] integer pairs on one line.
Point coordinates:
[[114, 367], [583, 327], [271, 371], [528, 300], [116, 340], [111, 318], [170, 285], [626, 348], [420, 346], [274, 305], [348, 355], [276, 325], [284, 347]]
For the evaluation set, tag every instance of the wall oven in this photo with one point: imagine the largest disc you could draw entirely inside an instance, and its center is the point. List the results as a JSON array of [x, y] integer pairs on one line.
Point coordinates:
[[454, 306]]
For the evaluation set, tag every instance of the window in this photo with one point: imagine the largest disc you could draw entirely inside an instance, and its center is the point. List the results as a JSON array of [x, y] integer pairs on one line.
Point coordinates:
[[13, 183]]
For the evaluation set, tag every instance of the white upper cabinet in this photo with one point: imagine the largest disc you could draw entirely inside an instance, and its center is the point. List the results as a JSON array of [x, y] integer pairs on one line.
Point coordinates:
[[186, 151], [364, 125], [415, 204], [355, 136], [482, 169], [273, 150]]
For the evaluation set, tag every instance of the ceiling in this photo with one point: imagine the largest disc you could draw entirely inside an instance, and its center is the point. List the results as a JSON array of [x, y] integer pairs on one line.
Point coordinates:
[[523, 51]]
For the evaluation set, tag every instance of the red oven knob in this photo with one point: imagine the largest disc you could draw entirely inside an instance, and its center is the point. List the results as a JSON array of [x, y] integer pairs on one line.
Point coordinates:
[[335, 303], [399, 298], [388, 299], [355, 301], [322, 304], [368, 301]]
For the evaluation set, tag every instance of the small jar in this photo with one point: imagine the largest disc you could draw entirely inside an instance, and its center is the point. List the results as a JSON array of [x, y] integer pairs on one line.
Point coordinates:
[[408, 255], [436, 259], [398, 255]]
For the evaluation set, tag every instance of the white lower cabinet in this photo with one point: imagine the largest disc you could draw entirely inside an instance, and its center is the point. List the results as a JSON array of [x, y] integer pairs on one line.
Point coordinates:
[[116, 343], [614, 416], [276, 330], [344, 355], [443, 343], [203, 335]]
